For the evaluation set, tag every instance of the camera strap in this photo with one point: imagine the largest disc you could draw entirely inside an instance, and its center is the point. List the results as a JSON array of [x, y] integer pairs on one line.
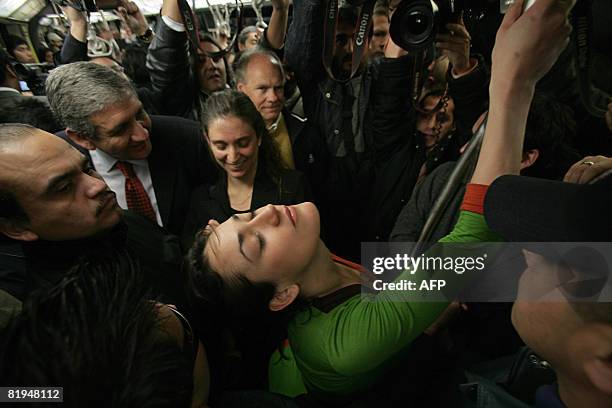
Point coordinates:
[[595, 103], [360, 38], [194, 45], [191, 26]]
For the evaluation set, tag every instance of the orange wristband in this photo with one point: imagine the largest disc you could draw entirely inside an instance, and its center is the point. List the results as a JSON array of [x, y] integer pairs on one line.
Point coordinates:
[[473, 200]]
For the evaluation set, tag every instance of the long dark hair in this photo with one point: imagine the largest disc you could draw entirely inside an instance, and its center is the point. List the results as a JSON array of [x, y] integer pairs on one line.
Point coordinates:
[[233, 103], [97, 323]]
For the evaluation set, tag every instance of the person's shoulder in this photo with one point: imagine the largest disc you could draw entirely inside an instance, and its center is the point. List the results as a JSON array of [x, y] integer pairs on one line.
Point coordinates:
[[291, 176], [173, 126], [203, 193]]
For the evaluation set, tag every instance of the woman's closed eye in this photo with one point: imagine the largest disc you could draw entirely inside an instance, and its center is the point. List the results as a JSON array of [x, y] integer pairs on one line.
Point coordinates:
[[260, 238]]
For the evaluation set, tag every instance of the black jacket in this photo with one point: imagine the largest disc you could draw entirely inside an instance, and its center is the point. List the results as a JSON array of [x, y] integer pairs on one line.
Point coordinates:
[[413, 216], [338, 110], [28, 266], [212, 202], [309, 152], [171, 74]]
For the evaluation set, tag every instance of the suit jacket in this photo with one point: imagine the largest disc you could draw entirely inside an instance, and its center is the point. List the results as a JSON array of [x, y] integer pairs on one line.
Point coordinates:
[[178, 163], [212, 202]]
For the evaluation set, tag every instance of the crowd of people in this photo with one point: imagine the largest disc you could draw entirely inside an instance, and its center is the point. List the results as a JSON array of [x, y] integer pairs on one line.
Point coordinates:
[[181, 224]]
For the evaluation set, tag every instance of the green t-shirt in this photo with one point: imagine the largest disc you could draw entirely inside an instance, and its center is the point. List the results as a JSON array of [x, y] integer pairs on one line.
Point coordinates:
[[346, 349]]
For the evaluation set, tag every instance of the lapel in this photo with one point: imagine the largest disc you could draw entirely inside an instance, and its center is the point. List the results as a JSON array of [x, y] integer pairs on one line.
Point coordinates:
[[294, 126], [218, 193], [163, 168]]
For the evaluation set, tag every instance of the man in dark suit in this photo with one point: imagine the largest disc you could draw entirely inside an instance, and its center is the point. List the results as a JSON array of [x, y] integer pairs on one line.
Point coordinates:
[[151, 163]]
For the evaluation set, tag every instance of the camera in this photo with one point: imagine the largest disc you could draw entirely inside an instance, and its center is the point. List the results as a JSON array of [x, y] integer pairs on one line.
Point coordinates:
[[34, 75], [415, 23]]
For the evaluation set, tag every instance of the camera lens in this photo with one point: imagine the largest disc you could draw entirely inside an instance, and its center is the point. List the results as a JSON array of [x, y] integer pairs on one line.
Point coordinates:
[[413, 25], [417, 23]]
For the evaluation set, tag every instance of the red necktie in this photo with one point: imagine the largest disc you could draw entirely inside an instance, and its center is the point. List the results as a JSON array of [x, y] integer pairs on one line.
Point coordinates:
[[135, 194]]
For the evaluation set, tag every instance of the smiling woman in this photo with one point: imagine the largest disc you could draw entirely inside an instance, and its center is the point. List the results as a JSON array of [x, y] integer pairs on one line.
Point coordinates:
[[252, 174]]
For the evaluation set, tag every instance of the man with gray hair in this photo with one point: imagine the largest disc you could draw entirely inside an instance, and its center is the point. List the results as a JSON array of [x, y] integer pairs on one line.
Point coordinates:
[[259, 74], [248, 38], [152, 163]]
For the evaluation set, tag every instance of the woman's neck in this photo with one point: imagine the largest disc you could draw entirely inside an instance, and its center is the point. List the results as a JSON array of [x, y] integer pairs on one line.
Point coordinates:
[[240, 191], [244, 182], [325, 276]]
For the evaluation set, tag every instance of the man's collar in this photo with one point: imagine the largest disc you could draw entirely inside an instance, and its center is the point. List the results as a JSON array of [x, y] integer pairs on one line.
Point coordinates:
[[104, 162], [272, 128]]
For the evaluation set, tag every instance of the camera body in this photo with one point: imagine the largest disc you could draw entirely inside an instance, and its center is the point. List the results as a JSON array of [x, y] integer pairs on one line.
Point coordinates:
[[415, 23], [34, 75]]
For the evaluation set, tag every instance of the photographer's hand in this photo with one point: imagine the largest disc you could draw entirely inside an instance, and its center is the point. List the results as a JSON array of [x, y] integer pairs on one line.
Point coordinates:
[[456, 45], [133, 17], [78, 23], [528, 44]]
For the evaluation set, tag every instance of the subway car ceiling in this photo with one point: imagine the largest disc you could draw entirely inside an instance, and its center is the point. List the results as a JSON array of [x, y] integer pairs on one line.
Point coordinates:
[[26, 10], [34, 20]]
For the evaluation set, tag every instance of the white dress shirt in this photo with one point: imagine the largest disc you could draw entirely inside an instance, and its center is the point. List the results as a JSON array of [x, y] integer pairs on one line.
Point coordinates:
[[105, 166]]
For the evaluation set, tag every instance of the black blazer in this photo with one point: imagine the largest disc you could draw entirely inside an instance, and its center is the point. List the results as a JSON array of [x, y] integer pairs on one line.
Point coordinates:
[[178, 163], [212, 202]]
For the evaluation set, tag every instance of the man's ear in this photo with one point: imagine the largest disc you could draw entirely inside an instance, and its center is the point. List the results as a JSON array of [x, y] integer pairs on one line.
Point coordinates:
[[284, 298], [240, 87], [598, 367], [16, 230], [80, 140], [529, 157]]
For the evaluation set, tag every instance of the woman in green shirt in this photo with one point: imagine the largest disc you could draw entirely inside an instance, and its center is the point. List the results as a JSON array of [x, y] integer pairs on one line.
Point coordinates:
[[274, 254]]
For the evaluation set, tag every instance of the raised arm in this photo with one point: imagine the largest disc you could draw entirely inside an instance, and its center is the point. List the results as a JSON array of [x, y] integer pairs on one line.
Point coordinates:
[[304, 45], [75, 46], [275, 34], [168, 63], [526, 47]]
